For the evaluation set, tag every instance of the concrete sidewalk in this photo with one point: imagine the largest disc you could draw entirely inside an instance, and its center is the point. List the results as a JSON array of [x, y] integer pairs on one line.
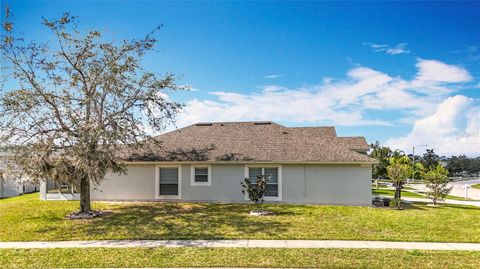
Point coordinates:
[[244, 244]]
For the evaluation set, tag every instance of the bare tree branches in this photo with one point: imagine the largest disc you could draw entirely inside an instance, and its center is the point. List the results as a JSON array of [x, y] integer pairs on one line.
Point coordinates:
[[78, 102]]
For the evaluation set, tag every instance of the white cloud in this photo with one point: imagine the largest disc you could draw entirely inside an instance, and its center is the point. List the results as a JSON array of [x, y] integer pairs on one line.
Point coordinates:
[[345, 101], [395, 50], [328, 80], [285, 105], [452, 130], [272, 76], [436, 71], [398, 49]]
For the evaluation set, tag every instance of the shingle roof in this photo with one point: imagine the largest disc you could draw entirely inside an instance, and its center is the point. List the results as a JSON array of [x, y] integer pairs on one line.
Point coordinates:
[[251, 141], [357, 143]]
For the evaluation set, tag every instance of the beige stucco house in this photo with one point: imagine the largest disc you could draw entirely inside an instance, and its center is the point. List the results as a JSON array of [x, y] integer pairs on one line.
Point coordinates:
[[207, 162]]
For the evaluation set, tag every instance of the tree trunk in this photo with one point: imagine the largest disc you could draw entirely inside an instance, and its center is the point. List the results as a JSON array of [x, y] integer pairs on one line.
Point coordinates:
[[85, 195], [397, 192], [398, 195]]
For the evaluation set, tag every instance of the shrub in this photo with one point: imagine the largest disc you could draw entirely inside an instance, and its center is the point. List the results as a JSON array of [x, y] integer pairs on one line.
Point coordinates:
[[255, 190], [436, 181]]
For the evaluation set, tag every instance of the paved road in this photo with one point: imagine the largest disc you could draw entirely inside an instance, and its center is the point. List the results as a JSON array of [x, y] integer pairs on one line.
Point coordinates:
[[244, 244], [458, 188]]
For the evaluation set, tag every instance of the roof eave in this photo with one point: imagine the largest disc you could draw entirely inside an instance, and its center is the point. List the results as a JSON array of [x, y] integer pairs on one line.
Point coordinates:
[[251, 162]]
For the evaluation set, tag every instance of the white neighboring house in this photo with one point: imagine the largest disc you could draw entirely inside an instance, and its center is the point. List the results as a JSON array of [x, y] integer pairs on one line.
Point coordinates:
[[14, 187]]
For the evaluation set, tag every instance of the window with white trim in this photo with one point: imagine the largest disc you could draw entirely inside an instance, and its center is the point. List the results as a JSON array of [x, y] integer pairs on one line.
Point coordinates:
[[271, 175], [201, 175]]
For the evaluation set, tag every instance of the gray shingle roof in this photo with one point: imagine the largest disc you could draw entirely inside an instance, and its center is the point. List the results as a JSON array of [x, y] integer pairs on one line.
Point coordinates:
[[357, 143], [252, 141]]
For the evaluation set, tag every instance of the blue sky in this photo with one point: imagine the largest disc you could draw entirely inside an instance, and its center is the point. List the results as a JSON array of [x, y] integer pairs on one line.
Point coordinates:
[[400, 73]]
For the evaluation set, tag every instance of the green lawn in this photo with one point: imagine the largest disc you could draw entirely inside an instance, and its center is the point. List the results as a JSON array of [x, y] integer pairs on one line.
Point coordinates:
[[26, 218], [476, 186], [451, 197], [386, 192], [236, 257]]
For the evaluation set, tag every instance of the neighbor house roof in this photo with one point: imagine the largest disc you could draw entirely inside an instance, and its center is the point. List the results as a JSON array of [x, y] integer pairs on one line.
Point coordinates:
[[251, 142]]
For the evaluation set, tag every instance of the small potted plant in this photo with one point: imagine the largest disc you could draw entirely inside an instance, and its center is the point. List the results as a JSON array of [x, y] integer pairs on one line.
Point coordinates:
[[256, 190]]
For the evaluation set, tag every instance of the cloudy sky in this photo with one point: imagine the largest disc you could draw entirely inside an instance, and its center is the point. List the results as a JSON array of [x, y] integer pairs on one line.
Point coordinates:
[[401, 73]]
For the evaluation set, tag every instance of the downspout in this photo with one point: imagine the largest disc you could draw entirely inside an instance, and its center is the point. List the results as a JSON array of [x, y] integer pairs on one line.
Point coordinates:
[[305, 180], [1, 185]]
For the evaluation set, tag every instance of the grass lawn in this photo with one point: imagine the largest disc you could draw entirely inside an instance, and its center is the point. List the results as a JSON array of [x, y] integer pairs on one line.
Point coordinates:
[[236, 257], [386, 192], [476, 186], [26, 218]]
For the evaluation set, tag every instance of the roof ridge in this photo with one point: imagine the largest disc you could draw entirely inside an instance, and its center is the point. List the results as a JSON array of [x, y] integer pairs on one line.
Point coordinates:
[[233, 122], [305, 127]]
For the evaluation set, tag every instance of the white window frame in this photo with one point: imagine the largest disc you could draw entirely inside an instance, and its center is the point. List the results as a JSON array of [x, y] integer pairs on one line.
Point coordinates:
[[192, 175], [280, 189], [157, 182]]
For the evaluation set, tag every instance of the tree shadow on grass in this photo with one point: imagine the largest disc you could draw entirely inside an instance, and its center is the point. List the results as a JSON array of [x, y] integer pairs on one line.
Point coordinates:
[[413, 206], [467, 207], [165, 221]]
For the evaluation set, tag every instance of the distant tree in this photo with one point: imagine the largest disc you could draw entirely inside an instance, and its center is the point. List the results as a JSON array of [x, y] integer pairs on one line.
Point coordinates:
[[255, 190], [399, 170], [430, 159], [457, 165], [382, 154], [398, 153], [474, 166], [75, 105], [418, 171], [436, 181], [463, 165]]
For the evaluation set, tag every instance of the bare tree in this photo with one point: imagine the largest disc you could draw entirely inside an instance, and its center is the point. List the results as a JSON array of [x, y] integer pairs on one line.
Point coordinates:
[[77, 102]]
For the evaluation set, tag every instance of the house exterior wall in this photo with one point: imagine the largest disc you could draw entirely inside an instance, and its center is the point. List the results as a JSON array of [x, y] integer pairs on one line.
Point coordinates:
[[300, 183], [137, 184], [10, 189]]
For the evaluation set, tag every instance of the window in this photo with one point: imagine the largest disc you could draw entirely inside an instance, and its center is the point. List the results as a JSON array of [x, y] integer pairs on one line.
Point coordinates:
[[168, 182], [273, 177], [201, 175]]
